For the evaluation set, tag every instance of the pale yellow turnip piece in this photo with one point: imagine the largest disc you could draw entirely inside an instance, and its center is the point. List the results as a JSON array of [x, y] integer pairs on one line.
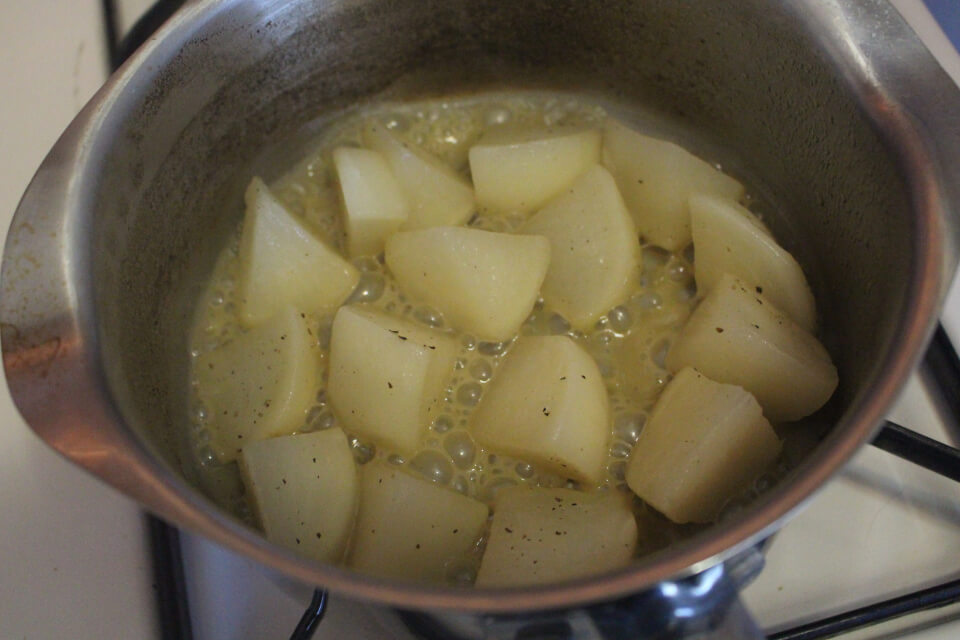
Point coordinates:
[[545, 536], [703, 444], [657, 178], [260, 384], [521, 170], [284, 263], [304, 491], [484, 283], [387, 376], [547, 404], [737, 336], [594, 249], [374, 205], [412, 529], [728, 239], [436, 194]]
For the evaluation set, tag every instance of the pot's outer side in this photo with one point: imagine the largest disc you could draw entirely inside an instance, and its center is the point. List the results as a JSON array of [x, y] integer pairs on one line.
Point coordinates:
[[834, 106]]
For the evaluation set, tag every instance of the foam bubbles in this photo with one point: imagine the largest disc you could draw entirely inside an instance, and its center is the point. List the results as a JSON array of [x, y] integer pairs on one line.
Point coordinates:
[[442, 424], [627, 426], [369, 288], [620, 319], [460, 447], [428, 316], [433, 465], [468, 394], [481, 370]]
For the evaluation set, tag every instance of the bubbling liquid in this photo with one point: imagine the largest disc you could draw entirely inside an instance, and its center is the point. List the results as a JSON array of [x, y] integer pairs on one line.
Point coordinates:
[[629, 343]]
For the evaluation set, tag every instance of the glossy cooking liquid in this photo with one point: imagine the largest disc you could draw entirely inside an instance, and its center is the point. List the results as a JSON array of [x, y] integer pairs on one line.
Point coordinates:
[[629, 343]]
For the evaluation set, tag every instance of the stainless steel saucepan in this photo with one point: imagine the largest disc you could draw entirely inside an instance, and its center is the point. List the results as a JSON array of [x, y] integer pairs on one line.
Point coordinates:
[[834, 106]]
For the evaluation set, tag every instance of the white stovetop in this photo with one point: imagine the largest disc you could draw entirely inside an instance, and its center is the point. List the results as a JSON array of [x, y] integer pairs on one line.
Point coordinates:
[[73, 555]]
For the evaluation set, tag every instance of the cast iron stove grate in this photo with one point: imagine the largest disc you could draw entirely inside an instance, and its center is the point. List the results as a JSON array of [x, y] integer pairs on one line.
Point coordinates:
[[941, 368]]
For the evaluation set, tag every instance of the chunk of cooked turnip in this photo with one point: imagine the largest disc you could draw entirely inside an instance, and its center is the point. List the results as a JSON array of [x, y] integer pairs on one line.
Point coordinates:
[[374, 205], [594, 249], [728, 239], [541, 536], [436, 194], [387, 376], [260, 384], [304, 491], [737, 336], [521, 170], [412, 529], [657, 178], [484, 283], [703, 444], [547, 404], [283, 263]]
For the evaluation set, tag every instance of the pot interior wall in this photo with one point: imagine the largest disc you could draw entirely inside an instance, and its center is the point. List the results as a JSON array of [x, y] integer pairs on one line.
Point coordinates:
[[737, 73]]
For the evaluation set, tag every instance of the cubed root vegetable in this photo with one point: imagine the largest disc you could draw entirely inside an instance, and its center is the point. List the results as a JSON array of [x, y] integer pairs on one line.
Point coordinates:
[[469, 359], [387, 376], [547, 403], [541, 536], [436, 194], [283, 263], [737, 336], [304, 491], [519, 171], [374, 205], [728, 239], [657, 178], [260, 384], [484, 283], [594, 250], [703, 444], [412, 529]]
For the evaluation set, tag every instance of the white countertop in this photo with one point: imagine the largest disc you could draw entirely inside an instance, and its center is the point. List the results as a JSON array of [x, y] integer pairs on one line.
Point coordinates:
[[73, 555]]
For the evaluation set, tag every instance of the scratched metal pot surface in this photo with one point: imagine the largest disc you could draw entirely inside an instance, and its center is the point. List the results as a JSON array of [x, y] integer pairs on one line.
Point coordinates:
[[835, 107]]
